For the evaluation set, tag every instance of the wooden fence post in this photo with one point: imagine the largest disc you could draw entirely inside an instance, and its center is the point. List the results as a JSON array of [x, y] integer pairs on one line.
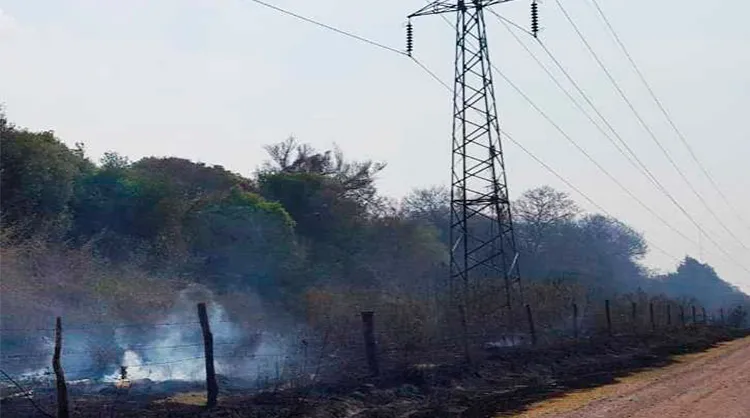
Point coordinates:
[[532, 331], [721, 311], [682, 315], [609, 318], [212, 387], [651, 316], [368, 330], [62, 388], [695, 321], [634, 316], [705, 319], [575, 321], [669, 315]]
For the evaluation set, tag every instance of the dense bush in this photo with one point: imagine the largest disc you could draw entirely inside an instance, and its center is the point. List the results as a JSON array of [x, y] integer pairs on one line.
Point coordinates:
[[306, 229]]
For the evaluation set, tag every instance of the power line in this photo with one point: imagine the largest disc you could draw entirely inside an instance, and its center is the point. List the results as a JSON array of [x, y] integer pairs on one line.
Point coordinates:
[[352, 36], [432, 74], [329, 27], [510, 22], [666, 114], [622, 186], [586, 154], [590, 158], [645, 125], [634, 160], [572, 99], [577, 190], [608, 174], [564, 180]]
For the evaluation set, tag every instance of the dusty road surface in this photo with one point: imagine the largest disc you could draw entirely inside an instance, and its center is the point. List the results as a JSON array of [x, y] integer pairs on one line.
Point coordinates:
[[715, 383]]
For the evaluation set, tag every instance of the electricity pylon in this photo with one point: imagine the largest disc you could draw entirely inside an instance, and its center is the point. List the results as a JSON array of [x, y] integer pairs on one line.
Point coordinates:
[[483, 244]]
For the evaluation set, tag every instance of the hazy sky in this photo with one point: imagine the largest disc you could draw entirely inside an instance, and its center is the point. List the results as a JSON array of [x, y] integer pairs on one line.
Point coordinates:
[[215, 80]]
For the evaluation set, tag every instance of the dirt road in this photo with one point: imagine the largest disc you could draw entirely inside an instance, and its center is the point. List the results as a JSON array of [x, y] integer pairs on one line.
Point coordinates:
[[715, 383]]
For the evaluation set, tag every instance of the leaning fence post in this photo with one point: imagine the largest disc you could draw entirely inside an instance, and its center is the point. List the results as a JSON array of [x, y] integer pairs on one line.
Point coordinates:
[[703, 311], [575, 321], [212, 387], [695, 321], [531, 324], [62, 388], [721, 311], [669, 315], [651, 316], [634, 316], [368, 329], [609, 317]]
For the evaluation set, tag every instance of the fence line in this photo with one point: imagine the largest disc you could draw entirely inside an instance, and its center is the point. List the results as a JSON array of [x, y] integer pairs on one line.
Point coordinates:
[[381, 344], [96, 325]]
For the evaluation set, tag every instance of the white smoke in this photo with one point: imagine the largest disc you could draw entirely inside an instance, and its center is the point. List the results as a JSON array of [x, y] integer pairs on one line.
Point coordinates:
[[175, 351], [188, 370], [171, 349]]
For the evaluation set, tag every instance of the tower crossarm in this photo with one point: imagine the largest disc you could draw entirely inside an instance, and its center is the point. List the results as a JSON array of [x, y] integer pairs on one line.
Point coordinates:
[[440, 7]]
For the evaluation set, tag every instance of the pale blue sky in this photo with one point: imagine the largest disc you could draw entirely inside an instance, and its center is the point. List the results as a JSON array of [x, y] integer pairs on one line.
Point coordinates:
[[215, 80]]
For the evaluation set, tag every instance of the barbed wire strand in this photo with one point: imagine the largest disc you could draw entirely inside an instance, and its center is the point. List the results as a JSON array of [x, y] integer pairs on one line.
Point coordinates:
[[26, 395]]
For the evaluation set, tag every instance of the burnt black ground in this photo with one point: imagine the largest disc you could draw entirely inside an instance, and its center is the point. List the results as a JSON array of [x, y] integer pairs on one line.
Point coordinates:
[[505, 380]]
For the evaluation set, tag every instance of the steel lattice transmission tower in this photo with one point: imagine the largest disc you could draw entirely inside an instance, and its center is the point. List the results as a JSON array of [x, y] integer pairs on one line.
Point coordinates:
[[483, 244]]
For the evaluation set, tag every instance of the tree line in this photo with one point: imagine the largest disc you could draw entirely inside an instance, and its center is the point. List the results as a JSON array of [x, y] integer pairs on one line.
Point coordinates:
[[306, 218]]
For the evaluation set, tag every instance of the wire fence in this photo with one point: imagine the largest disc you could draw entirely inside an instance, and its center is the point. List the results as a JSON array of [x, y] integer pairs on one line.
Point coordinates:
[[395, 337]]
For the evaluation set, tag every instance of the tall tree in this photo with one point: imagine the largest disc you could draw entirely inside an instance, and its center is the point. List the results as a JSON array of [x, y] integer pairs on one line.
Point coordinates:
[[37, 180], [540, 210], [239, 240], [431, 205], [353, 179]]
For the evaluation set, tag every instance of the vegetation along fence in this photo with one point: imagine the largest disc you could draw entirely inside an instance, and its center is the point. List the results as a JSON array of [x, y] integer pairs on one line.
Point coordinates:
[[336, 345]]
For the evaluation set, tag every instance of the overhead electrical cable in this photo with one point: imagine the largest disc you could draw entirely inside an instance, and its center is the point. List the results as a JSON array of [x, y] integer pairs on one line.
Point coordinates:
[[592, 159], [666, 114], [567, 182], [633, 158], [432, 74], [577, 190], [612, 177], [329, 27], [615, 180], [645, 126], [350, 35]]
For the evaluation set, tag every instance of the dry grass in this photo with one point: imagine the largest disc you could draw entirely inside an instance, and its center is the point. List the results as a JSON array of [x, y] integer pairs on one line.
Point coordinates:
[[39, 281], [427, 329]]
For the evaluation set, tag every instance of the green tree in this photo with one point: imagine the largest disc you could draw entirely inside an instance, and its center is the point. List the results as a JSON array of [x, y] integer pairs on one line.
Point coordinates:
[[353, 179], [331, 199], [38, 174], [240, 240], [106, 209], [402, 256]]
